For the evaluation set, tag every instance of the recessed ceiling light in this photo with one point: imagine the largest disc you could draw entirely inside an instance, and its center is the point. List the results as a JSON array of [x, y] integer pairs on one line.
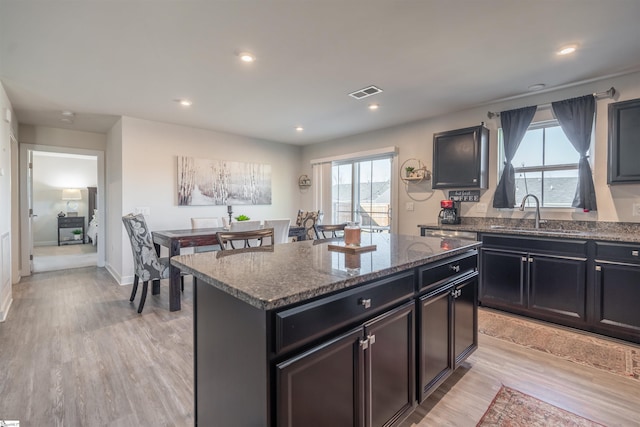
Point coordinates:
[[567, 50], [66, 120], [68, 113], [184, 102], [247, 57], [535, 87], [299, 128], [373, 106]]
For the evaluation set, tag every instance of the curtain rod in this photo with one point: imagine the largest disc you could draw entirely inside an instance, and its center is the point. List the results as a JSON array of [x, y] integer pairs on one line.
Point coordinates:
[[609, 93]]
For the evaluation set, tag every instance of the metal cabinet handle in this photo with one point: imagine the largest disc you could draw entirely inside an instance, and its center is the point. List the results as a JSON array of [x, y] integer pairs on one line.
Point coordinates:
[[455, 268], [365, 302], [598, 268], [634, 253], [523, 259]]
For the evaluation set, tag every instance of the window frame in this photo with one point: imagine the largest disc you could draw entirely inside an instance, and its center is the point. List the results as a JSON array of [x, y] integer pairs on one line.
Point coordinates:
[[541, 124]]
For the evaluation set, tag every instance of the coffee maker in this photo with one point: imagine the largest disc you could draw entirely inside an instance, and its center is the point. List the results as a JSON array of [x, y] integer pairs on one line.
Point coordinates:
[[450, 212]]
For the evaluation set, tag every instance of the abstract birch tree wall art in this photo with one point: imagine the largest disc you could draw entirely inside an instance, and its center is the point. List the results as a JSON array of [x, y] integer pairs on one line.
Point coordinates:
[[221, 182]]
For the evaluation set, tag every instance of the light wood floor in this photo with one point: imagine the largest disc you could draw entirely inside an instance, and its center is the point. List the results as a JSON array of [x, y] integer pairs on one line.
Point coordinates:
[[74, 352]]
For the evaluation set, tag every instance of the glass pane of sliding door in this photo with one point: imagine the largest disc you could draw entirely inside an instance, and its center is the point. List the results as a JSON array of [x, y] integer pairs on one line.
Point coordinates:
[[361, 191]]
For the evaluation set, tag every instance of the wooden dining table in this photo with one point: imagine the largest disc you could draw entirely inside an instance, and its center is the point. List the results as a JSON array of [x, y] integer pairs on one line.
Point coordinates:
[[174, 240]]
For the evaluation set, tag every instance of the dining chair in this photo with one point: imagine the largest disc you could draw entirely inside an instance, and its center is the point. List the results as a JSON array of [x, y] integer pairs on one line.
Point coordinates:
[[245, 226], [206, 223], [280, 229], [251, 238], [327, 231], [308, 220], [148, 266]]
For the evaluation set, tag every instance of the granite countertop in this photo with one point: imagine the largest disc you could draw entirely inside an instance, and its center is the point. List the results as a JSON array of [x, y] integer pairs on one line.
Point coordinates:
[[285, 274], [591, 230]]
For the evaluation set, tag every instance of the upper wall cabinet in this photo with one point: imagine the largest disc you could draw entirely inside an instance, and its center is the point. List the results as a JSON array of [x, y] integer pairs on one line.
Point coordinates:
[[624, 142], [461, 158]]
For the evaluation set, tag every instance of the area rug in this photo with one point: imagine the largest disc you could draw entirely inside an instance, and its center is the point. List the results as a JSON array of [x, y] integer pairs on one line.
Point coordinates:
[[511, 408], [584, 349]]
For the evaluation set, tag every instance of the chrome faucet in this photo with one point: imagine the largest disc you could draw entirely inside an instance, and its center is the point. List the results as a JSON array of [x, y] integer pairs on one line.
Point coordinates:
[[524, 199]]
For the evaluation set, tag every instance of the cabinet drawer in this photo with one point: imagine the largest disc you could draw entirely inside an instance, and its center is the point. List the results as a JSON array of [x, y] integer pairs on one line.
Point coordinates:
[[303, 324], [536, 244], [433, 275], [618, 251], [71, 221]]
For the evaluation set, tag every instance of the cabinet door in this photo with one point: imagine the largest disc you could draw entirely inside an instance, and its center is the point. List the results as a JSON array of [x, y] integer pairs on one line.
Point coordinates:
[[465, 320], [434, 355], [503, 278], [558, 285], [617, 297], [390, 361], [460, 158], [624, 150], [324, 386]]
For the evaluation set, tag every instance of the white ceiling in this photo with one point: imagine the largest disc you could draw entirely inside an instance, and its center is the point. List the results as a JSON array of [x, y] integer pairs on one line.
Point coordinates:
[[105, 59]]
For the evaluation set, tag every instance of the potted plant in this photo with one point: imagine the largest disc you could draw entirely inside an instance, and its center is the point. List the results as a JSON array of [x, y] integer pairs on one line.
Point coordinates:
[[409, 170], [77, 233], [242, 218]]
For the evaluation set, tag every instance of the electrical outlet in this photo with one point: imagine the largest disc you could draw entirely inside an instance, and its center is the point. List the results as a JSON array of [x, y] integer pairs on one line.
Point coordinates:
[[409, 206], [481, 208], [636, 209]]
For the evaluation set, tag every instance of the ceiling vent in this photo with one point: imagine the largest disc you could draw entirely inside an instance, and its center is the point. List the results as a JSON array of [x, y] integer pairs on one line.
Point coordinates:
[[367, 91]]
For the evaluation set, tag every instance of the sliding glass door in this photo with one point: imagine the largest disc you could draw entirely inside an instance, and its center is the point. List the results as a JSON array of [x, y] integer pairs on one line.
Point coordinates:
[[361, 191]]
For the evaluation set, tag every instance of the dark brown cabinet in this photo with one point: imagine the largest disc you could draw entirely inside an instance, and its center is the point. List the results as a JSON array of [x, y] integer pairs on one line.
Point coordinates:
[[624, 142], [617, 290], [544, 278], [448, 319], [461, 158], [362, 378]]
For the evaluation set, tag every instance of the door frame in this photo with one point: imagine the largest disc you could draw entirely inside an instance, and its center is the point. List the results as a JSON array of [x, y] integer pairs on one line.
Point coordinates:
[[26, 237]]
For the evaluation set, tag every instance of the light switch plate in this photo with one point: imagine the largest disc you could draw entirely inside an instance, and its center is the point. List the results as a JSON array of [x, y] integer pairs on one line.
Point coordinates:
[[481, 208], [143, 210], [409, 206], [636, 209]]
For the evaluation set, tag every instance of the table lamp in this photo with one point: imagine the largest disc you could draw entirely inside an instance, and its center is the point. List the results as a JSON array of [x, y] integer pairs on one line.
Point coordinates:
[[71, 195]]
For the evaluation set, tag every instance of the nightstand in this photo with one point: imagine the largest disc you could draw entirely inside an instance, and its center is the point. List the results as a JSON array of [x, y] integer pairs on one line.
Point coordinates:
[[75, 222]]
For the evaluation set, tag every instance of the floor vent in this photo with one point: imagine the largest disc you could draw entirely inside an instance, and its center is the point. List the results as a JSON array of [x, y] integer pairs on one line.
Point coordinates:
[[367, 91]]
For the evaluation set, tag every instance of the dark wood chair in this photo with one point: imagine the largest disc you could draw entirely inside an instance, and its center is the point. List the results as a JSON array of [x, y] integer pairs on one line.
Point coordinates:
[[251, 238], [327, 231]]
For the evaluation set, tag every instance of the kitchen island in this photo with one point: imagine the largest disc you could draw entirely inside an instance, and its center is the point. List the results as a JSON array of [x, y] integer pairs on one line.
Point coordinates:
[[297, 334]]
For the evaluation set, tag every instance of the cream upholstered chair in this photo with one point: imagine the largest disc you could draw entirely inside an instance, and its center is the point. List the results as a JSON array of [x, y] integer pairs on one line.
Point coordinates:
[[206, 223], [280, 229], [148, 266], [308, 220], [245, 239]]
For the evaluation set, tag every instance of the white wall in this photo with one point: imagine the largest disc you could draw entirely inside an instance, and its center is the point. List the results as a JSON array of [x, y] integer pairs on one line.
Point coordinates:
[[114, 230], [7, 154], [52, 174], [149, 176], [416, 140]]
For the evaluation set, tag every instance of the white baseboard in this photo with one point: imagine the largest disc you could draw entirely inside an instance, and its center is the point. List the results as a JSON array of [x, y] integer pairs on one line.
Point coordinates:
[[4, 309], [46, 243], [121, 280]]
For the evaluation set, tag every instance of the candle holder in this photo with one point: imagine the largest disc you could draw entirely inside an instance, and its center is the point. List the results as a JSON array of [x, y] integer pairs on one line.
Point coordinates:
[[230, 212]]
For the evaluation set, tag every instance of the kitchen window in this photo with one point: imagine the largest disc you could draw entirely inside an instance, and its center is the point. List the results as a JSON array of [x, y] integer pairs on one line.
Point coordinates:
[[546, 164]]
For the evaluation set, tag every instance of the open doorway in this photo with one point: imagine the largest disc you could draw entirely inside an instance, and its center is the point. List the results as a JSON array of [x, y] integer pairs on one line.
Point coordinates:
[[63, 210], [48, 175]]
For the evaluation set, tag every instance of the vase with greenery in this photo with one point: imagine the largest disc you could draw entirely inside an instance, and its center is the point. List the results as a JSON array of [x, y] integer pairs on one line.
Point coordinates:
[[242, 218], [409, 170], [76, 234]]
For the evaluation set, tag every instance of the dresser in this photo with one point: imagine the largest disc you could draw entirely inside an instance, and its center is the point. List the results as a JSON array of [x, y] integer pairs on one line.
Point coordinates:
[[66, 225]]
